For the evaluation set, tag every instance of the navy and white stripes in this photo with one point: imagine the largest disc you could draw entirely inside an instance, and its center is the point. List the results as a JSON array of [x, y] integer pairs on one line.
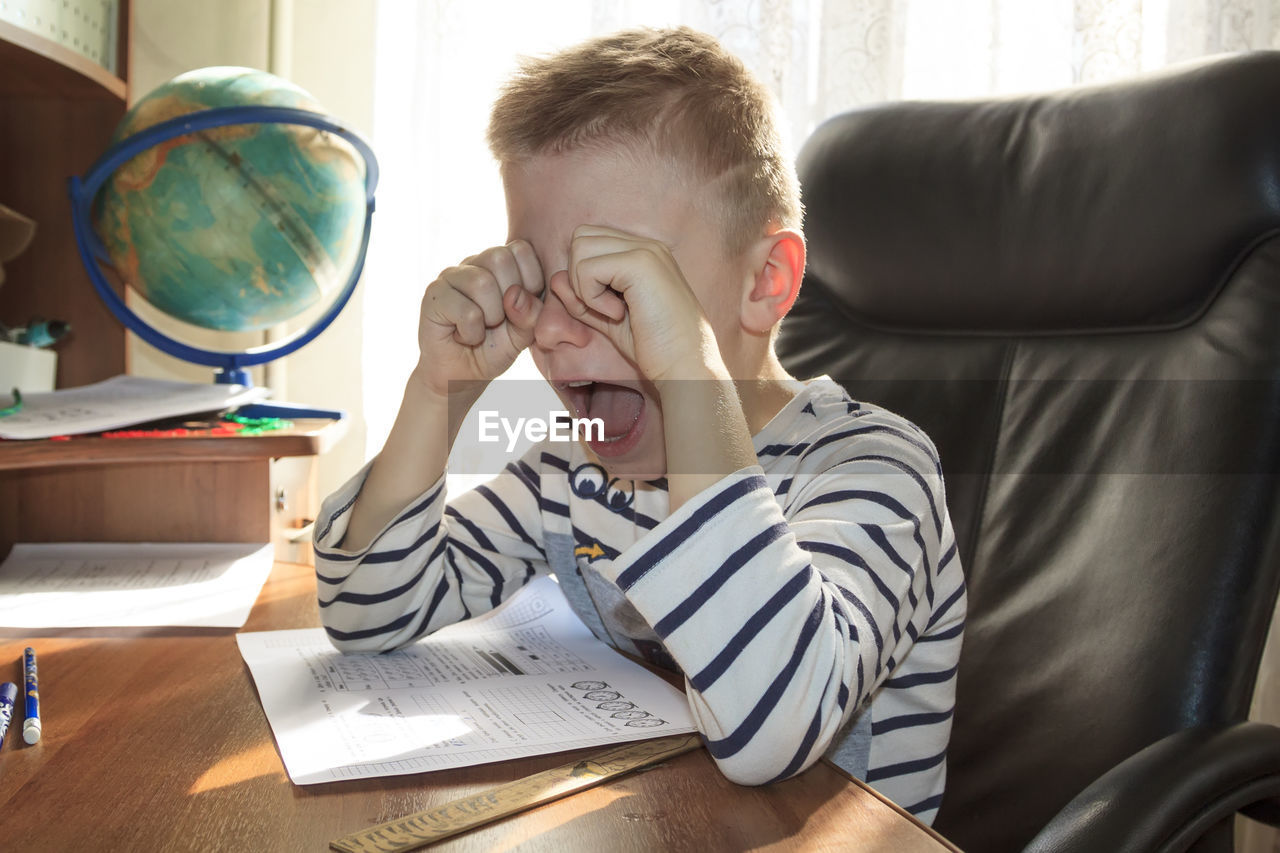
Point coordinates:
[[814, 602]]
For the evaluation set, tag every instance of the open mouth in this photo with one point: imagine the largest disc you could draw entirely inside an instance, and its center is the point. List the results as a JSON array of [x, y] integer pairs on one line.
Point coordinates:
[[618, 407]]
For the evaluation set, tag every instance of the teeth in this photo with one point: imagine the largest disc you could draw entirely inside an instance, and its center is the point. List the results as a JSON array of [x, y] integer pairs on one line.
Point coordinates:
[[578, 383]]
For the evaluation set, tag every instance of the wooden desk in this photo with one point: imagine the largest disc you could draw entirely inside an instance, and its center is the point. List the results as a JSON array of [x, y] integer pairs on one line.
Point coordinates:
[[154, 739]]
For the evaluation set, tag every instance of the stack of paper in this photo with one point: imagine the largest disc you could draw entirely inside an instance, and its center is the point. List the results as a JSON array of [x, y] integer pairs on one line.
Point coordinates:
[[108, 584]]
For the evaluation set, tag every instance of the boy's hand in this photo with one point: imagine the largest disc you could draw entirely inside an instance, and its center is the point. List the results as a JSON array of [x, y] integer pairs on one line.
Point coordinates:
[[632, 290], [478, 316]]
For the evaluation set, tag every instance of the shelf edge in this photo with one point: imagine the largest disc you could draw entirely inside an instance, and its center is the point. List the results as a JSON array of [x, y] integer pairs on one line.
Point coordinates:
[[92, 72]]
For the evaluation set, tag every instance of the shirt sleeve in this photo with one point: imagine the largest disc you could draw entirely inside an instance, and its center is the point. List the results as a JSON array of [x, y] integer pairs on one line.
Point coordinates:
[[785, 622], [434, 564]]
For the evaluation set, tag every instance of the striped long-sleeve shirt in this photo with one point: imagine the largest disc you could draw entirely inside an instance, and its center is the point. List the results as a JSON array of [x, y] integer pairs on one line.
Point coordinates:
[[814, 602]]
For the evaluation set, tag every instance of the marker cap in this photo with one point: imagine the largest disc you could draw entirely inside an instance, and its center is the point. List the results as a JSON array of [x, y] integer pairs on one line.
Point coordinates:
[[31, 730]]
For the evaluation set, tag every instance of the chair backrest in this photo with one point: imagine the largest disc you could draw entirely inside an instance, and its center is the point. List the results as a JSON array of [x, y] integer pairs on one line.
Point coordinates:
[[1077, 295]]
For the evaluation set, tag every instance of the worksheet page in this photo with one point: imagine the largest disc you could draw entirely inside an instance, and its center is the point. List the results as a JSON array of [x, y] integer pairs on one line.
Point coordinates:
[[527, 678], [113, 584]]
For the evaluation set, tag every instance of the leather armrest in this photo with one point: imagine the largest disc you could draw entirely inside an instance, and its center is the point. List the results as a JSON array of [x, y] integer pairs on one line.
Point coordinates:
[[1164, 797]]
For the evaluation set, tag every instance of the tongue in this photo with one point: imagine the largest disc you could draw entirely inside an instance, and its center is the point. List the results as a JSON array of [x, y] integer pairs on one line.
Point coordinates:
[[617, 406]]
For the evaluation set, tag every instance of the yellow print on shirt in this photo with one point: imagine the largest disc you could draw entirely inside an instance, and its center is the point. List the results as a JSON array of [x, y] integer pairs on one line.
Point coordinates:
[[591, 551]]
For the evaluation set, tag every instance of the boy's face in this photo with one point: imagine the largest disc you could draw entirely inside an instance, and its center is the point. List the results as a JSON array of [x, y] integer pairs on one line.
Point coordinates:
[[548, 197]]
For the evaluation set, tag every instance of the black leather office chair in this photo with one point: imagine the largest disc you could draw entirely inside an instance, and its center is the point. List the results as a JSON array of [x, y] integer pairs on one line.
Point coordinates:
[[1077, 295]]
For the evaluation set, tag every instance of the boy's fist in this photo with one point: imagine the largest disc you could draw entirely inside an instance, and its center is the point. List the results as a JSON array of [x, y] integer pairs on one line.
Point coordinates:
[[477, 316], [631, 289]]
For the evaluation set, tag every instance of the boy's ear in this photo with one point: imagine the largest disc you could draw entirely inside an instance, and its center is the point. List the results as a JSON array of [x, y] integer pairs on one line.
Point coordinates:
[[778, 266]]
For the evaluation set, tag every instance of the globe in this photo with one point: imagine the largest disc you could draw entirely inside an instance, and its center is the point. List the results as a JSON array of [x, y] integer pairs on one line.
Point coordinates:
[[228, 200], [238, 227]]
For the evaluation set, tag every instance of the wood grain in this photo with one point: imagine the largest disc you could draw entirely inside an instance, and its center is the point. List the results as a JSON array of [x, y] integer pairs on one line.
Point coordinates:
[[180, 489], [220, 501], [154, 739]]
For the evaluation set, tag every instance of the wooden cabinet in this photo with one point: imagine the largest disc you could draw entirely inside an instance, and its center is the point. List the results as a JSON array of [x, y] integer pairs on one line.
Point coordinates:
[[199, 488]]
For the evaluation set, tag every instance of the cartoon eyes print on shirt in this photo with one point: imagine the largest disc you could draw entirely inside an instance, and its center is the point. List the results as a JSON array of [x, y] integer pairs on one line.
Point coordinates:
[[589, 481]]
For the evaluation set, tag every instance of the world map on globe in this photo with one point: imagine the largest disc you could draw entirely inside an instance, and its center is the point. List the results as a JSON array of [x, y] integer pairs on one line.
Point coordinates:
[[234, 228]]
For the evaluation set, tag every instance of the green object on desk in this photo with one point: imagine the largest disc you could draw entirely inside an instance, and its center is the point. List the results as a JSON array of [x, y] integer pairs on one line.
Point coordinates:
[[257, 426], [17, 404]]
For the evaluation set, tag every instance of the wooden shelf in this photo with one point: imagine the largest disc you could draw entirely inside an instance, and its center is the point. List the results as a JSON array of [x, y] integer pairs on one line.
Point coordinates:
[[34, 66], [58, 111]]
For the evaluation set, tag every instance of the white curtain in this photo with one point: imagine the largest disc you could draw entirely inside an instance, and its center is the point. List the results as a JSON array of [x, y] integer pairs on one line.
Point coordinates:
[[439, 65]]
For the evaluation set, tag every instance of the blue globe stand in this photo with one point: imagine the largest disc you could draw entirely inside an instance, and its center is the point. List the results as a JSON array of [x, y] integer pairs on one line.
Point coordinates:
[[232, 366]]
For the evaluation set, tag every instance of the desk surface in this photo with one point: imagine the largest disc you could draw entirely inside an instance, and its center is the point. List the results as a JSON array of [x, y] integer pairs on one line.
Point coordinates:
[[154, 740]]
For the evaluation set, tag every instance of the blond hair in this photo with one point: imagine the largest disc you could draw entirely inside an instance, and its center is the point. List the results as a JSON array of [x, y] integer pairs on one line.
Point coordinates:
[[676, 91]]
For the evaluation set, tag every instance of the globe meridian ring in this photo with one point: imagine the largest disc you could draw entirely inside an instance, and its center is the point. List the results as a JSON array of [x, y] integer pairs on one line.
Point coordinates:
[[233, 364]]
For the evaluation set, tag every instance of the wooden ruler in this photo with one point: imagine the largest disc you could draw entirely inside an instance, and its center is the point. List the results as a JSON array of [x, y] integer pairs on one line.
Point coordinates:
[[426, 827]]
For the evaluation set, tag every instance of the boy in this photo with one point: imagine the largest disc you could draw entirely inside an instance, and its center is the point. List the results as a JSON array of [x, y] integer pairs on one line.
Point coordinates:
[[786, 548]]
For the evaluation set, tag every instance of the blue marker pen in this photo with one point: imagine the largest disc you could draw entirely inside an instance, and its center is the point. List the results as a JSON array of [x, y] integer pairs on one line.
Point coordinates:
[[31, 725], [8, 694]]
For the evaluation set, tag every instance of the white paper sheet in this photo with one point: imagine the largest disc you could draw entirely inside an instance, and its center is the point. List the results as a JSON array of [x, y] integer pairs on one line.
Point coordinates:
[[527, 678], [117, 402], [108, 584]]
